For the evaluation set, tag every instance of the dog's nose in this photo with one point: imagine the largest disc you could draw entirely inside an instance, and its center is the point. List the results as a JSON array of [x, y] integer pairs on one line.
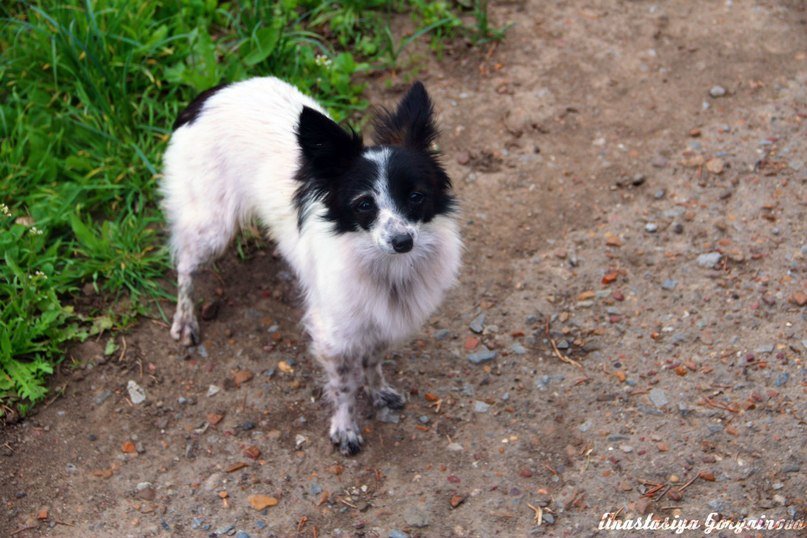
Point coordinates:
[[402, 243]]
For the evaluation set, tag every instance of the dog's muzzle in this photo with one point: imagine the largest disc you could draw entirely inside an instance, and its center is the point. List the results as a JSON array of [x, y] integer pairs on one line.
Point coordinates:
[[402, 243]]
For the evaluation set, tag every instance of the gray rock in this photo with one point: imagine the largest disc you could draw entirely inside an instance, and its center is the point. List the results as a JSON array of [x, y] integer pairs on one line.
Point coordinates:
[[102, 397], [518, 349], [136, 393], [659, 194], [417, 517], [241, 534], [549, 519], [717, 505], [385, 414], [482, 356], [221, 531], [669, 284], [423, 419], [765, 348], [627, 449], [651, 227], [315, 489], [613, 438], [709, 260], [395, 533], [791, 468], [454, 447], [442, 334], [678, 228], [481, 407], [478, 324], [196, 523], [586, 426], [658, 397], [781, 379], [717, 91], [212, 390], [647, 410], [562, 344]]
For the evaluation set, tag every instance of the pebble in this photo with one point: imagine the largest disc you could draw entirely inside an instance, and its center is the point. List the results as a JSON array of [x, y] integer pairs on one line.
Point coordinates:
[[481, 407], [659, 194], [709, 260], [669, 284], [454, 447], [385, 414], [441, 334], [659, 162], [315, 489], [478, 324], [212, 390], [678, 228], [717, 505], [549, 519], [423, 419], [196, 523], [136, 392], [586, 426], [247, 425], [482, 356], [202, 351], [781, 379], [102, 397], [241, 534], [658, 397], [417, 517], [626, 448], [395, 533], [225, 530], [791, 468], [518, 349], [651, 227], [300, 440], [638, 179], [563, 344], [717, 91], [765, 348]]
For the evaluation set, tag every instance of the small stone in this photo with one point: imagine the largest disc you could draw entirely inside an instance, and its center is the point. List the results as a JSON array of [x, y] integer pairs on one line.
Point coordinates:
[[659, 162], [781, 379], [242, 376], [658, 397], [478, 324], [212, 390], [481, 407], [549, 519], [626, 448], [791, 468], [709, 260], [259, 502], [678, 228], [454, 447], [241, 534], [300, 440], [102, 397], [798, 298], [717, 91], [518, 349], [715, 166], [395, 533], [765, 348], [482, 356], [651, 227], [423, 419], [442, 334], [638, 179], [196, 523], [315, 489], [417, 517], [247, 425], [136, 392], [387, 415], [221, 531], [669, 284], [586, 426]]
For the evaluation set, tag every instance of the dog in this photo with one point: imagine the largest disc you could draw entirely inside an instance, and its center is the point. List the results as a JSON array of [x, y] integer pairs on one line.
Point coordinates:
[[371, 232]]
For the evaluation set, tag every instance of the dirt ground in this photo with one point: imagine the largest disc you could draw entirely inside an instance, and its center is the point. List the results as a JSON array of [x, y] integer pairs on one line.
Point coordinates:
[[633, 181]]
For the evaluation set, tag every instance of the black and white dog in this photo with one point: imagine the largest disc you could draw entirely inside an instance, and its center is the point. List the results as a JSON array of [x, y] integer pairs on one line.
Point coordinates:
[[370, 231]]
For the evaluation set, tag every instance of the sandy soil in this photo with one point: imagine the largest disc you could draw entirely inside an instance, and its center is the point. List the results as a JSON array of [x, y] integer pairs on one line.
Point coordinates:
[[638, 249]]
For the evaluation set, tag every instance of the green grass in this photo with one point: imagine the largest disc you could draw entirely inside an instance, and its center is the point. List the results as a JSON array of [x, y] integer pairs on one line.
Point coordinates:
[[89, 92]]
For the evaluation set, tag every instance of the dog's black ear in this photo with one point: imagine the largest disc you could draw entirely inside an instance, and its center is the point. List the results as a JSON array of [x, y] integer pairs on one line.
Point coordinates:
[[412, 123], [327, 149]]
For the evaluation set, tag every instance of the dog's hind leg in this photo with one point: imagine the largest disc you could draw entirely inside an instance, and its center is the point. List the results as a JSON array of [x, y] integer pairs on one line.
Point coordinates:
[[344, 381], [381, 393], [194, 246]]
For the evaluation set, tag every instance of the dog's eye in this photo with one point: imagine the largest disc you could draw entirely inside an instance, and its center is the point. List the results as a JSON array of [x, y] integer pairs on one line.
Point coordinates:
[[364, 205], [416, 197]]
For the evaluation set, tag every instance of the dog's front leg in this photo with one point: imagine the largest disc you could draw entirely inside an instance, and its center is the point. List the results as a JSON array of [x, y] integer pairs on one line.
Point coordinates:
[[344, 380], [381, 393]]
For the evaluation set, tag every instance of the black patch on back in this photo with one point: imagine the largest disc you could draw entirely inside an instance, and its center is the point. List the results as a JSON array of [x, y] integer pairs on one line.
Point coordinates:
[[189, 115]]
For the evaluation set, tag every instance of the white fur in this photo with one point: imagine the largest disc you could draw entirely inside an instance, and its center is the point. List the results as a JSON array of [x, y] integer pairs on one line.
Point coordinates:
[[237, 162]]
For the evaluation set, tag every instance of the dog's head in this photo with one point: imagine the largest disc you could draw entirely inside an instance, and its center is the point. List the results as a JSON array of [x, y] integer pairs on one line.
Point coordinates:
[[390, 192]]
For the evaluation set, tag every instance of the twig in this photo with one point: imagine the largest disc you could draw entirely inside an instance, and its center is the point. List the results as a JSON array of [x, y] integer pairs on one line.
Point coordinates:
[[560, 355], [682, 488], [65, 523], [538, 517], [123, 351], [23, 529], [343, 501]]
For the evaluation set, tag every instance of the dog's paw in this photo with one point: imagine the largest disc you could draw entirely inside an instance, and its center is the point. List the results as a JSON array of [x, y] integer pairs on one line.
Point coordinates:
[[348, 440], [388, 397], [186, 332]]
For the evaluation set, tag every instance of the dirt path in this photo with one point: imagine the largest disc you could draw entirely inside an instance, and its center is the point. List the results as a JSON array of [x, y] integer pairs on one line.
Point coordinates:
[[657, 231]]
